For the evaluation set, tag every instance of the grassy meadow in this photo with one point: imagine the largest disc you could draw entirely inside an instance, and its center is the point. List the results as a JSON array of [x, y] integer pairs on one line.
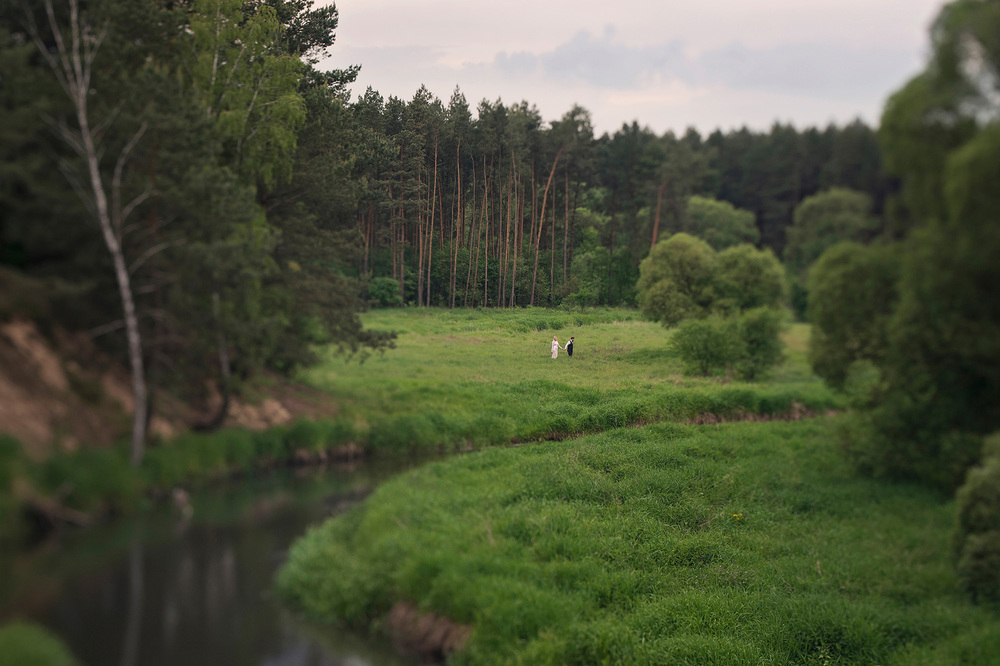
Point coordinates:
[[735, 543], [461, 378]]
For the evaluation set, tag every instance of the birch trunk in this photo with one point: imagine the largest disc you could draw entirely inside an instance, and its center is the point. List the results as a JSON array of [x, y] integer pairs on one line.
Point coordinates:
[[72, 64]]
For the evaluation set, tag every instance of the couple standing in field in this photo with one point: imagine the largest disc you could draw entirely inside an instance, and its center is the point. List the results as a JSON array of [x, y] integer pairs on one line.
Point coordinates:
[[556, 347]]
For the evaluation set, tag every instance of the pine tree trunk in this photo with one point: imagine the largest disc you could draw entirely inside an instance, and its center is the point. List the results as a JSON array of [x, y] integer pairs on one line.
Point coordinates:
[[456, 222], [566, 232], [430, 235], [468, 278], [541, 219]]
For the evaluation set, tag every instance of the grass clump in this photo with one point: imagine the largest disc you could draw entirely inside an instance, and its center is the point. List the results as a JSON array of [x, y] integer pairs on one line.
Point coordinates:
[[743, 543]]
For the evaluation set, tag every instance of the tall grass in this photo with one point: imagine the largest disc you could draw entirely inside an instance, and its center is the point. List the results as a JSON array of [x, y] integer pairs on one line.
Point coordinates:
[[461, 378], [742, 543]]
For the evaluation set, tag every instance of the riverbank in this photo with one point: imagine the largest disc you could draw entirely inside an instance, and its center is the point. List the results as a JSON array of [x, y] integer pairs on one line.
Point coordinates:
[[458, 381], [162, 587], [742, 543]]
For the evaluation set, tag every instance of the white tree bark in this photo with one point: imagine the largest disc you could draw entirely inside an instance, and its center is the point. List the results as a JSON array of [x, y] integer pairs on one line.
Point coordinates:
[[72, 65]]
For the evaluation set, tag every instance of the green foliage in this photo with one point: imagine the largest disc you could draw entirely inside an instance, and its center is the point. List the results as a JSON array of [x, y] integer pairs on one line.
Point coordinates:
[[195, 457], [759, 331], [383, 292], [748, 344], [826, 219], [27, 644], [719, 223], [683, 278], [748, 278], [676, 280], [852, 295], [940, 378], [89, 479], [23, 296], [707, 346], [977, 535], [12, 465]]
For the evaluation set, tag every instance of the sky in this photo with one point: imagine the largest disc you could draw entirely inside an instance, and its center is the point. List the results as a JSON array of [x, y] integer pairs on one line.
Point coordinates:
[[666, 64]]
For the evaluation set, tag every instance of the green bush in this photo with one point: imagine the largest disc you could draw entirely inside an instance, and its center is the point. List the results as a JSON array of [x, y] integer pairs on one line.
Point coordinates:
[[760, 342], [23, 296], [24, 644], [383, 292], [707, 346], [748, 344], [852, 292], [676, 280], [977, 537]]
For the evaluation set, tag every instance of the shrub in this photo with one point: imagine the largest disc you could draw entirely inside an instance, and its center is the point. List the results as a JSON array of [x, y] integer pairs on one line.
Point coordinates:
[[977, 536], [760, 342], [383, 292], [852, 294], [748, 344], [707, 346]]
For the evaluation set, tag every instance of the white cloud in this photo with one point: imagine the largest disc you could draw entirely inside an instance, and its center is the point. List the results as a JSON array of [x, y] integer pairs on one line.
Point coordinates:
[[672, 63]]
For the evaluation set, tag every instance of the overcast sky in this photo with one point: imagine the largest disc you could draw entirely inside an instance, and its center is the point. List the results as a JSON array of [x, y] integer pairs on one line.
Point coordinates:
[[668, 64]]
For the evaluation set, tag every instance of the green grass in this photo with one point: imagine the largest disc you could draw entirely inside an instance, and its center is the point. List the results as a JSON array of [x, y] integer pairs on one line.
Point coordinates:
[[24, 644], [745, 543], [460, 378]]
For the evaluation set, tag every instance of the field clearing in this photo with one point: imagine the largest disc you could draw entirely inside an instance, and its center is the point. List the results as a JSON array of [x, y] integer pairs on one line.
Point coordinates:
[[735, 543], [490, 377]]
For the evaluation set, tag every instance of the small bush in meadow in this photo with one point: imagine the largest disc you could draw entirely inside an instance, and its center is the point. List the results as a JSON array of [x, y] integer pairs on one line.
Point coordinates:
[[707, 346], [760, 342], [747, 344], [977, 538]]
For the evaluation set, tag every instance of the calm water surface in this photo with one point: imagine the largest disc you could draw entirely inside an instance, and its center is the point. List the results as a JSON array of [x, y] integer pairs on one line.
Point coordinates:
[[166, 589]]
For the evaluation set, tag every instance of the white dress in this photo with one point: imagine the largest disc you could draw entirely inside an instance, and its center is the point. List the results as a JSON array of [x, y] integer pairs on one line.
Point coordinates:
[[555, 349]]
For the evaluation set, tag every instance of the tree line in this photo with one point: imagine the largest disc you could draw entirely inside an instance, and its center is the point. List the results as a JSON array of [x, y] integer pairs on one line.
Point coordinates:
[[500, 209], [194, 190]]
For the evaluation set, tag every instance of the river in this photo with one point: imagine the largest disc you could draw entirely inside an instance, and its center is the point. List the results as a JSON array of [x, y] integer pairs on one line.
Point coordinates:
[[166, 588]]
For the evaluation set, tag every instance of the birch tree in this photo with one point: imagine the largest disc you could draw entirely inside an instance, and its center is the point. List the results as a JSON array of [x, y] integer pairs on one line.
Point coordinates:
[[71, 58]]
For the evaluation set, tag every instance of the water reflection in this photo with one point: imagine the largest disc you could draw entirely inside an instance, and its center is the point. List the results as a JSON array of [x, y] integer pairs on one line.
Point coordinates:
[[168, 590]]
